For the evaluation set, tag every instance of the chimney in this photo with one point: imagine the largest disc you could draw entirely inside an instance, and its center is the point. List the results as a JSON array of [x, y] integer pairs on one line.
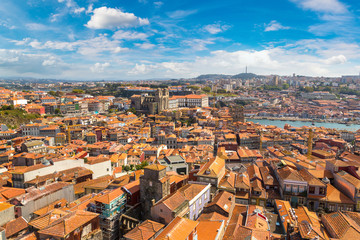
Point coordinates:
[[153, 202]]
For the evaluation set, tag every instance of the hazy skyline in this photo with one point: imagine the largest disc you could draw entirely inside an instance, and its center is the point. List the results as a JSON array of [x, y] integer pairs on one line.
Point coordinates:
[[143, 39]]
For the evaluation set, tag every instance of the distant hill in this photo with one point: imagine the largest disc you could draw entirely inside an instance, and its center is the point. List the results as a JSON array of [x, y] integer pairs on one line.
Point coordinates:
[[223, 76], [246, 76], [212, 76]]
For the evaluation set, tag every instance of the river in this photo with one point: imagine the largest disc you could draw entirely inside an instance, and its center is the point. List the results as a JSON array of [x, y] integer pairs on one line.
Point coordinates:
[[278, 123]]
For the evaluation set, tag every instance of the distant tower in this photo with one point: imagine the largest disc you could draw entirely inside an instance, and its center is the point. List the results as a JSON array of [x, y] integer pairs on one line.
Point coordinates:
[[246, 69], [237, 113], [276, 80], [162, 99]]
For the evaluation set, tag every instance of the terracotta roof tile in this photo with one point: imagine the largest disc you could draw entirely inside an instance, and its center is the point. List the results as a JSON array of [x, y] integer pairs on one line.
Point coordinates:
[[144, 231], [15, 226], [178, 229]]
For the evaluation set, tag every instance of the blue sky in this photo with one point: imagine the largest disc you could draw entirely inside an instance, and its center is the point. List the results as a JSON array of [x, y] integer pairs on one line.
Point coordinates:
[[143, 39]]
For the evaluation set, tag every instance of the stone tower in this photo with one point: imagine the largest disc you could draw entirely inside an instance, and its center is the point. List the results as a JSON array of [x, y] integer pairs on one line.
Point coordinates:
[[237, 113], [154, 185], [166, 98], [162, 99]]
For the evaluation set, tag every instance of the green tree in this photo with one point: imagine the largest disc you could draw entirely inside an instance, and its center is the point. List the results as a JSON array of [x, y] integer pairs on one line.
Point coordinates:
[[285, 86], [132, 110], [206, 89], [78, 91], [57, 111], [193, 87]]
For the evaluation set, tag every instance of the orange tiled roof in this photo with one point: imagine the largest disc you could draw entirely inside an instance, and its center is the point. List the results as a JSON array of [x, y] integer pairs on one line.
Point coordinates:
[[178, 229], [144, 231], [68, 223]]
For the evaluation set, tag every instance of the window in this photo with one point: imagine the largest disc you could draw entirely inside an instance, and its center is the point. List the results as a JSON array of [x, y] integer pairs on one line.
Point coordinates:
[[288, 188], [331, 207], [312, 190], [301, 201], [322, 191], [349, 208]]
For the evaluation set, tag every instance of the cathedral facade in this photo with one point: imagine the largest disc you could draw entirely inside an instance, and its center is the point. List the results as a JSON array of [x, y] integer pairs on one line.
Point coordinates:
[[148, 104]]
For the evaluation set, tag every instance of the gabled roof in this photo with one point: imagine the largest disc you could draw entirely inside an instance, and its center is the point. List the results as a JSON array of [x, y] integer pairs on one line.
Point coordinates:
[[110, 196], [178, 229], [223, 200], [68, 223], [341, 225], [349, 178], [213, 167], [48, 218], [287, 173], [144, 231], [15, 226], [313, 181]]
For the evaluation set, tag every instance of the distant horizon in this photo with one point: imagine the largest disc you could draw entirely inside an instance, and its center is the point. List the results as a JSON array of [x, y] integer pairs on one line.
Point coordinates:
[[162, 79], [146, 39]]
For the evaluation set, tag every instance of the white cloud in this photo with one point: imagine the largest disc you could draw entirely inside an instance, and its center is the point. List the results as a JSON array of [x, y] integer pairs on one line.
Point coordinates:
[[323, 6], [112, 18], [339, 59], [198, 44], [93, 46], [99, 67], [37, 27], [307, 57], [79, 10], [178, 14], [141, 69], [49, 62], [334, 17], [6, 24], [274, 26], [129, 35], [21, 42], [73, 6], [22, 63], [145, 45], [90, 8], [216, 28], [158, 4]]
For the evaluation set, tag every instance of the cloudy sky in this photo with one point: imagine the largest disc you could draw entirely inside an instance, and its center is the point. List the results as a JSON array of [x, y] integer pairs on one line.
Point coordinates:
[[143, 39]]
